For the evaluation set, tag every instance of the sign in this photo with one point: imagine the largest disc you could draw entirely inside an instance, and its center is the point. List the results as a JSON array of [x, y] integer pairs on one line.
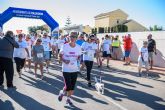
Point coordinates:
[[27, 14], [19, 31]]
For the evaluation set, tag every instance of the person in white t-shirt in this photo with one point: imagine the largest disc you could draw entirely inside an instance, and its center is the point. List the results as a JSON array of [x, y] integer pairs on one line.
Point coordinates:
[[60, 42], [69, 55], [47, 46], [20, 54], [143, 58], [54, 47], [89, 48], [34, 38], [106, 48], [29, 47]]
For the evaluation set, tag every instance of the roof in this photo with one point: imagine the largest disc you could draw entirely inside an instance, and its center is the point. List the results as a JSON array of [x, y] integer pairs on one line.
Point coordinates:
[[111, 12]]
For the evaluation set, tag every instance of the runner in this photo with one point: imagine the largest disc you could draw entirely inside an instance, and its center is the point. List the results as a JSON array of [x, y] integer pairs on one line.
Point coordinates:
[[38, 58], [60, 43], [29, 47], [54, 47], [69, 55], [143, 58], [106, 48], [47, 45], [34, 38], [20, 54], [98, 56], [80, 41], [89, 48]]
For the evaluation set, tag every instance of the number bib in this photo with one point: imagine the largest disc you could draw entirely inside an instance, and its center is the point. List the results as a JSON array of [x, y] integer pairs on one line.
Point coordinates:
[[40, 55]]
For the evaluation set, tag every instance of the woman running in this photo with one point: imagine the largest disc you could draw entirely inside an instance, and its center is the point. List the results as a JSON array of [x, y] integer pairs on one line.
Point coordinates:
[[20, 54], [38, 57], [89, 48], [69, 55]]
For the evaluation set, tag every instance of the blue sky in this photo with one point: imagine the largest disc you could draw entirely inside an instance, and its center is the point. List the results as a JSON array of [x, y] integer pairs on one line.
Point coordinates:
[[146, 12]]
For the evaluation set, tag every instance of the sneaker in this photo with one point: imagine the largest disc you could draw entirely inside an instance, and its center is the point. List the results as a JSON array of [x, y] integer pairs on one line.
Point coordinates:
[[139, 74], [68, 101], [60, 96], [89, 84], [47, 70], [125, 64]]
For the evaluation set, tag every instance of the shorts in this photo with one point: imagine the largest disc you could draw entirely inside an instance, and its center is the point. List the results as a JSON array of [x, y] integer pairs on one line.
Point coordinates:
[[81, 58], [106, 55], [46, 55], [150, 55], [141, 63], [70, 80], [127, 53]]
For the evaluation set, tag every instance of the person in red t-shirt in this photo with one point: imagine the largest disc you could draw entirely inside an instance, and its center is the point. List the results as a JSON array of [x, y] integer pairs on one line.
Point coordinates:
[[127, 48]]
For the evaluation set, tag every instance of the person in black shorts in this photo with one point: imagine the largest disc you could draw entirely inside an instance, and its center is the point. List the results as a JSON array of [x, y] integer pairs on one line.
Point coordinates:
[[69, 55]]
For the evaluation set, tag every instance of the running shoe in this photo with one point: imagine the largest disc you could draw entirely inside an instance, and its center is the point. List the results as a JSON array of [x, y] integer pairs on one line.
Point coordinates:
[[60, 96], [68, 101]]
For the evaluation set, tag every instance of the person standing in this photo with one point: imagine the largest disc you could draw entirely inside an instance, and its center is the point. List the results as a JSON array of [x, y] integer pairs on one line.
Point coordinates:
[[7, 44], [143, 58], [47, 46], [127, 48], [89, 48], [106, 47], [38, 57], [69, 55], [116, 45], [20, 54], [151, 49]]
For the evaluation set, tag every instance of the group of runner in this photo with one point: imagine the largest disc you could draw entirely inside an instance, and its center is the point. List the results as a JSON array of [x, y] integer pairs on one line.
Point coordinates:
[[73, 51]]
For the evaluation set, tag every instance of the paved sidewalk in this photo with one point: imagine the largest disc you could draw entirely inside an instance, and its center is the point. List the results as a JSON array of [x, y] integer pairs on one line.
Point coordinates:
[[123, 91]]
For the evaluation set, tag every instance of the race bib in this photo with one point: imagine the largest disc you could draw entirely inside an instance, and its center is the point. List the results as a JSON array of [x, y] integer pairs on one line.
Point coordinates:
[[40, 55]]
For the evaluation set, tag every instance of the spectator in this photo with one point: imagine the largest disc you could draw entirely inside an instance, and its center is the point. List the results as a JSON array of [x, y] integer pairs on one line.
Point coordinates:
[[115, 46], [151, 49], [106, 47], [127, 48], [7, 45], [143, 58]]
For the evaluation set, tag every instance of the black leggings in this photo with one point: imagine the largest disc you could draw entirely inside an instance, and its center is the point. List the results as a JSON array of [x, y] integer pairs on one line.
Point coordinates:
[[89, 65], [19, 63], [70, 80]]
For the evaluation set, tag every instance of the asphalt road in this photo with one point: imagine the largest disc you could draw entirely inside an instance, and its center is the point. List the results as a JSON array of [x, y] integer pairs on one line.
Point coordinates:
[[123, 91]]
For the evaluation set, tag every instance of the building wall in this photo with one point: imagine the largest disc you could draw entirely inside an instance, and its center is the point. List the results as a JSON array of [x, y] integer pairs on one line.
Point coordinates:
[[117, 16], [103, 22], [138, 38], [135, 27], [87, 29]]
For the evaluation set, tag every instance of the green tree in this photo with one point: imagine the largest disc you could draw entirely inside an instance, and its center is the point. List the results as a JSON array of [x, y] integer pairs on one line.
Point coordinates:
[[68, 22], [33, 29]]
